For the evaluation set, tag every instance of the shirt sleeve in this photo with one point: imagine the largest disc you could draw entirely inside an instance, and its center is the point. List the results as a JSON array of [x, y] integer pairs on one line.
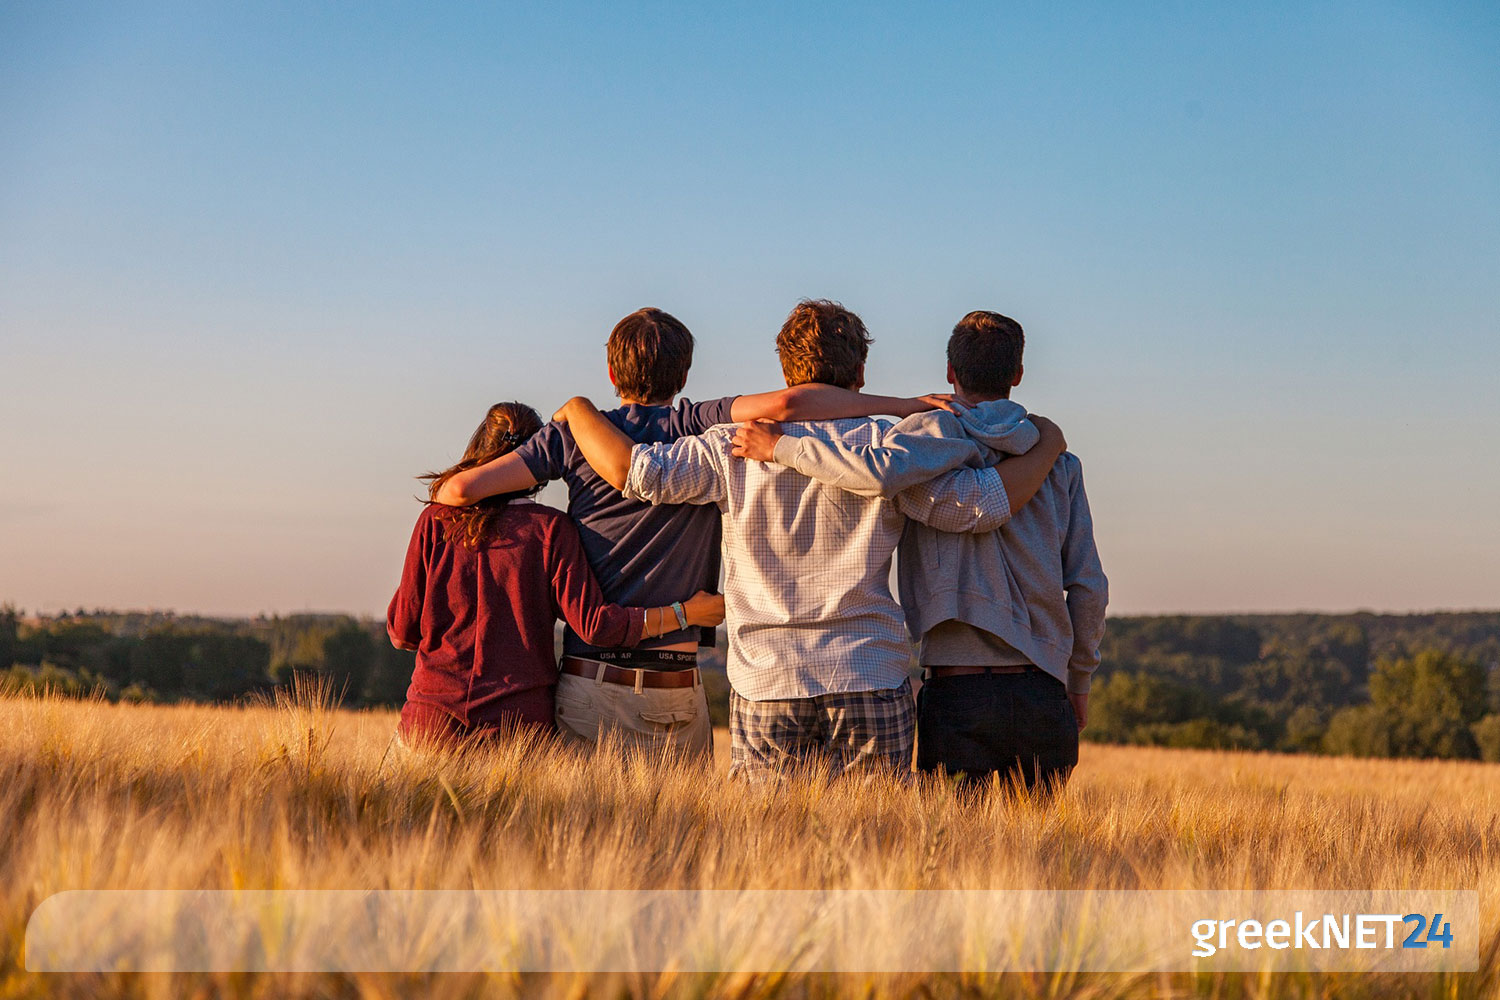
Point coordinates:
[[917, 450], [965, 500], [689, 419], [403, 619], [1085, 583], [545, 453], [688, 470], [579, 601]]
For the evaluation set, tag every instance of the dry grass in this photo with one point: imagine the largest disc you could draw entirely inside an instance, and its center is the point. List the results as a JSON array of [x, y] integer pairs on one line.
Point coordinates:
[[95, 795]]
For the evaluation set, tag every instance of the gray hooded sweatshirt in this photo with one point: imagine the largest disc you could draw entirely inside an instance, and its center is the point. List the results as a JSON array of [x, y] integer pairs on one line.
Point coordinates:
[[1036, 582]]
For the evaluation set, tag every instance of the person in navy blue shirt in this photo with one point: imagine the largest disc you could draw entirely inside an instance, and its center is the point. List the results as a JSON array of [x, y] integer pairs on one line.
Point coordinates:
[[651, 696]]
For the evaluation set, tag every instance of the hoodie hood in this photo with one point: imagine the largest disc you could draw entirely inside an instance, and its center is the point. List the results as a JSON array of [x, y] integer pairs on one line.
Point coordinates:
[[1000, 425]]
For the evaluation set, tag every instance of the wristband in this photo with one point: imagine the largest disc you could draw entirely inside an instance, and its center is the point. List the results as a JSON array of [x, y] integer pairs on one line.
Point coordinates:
[[681, 615]]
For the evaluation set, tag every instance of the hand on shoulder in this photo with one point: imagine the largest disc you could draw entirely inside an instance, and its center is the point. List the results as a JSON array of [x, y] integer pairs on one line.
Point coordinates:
[[1052, 437]]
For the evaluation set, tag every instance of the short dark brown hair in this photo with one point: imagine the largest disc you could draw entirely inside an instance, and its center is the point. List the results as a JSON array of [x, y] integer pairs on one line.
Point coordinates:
[[985, 352], [650, 352], [821, 341]]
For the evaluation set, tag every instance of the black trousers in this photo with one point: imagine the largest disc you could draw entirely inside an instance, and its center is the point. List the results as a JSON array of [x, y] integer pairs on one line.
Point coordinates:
[[1019, 726]]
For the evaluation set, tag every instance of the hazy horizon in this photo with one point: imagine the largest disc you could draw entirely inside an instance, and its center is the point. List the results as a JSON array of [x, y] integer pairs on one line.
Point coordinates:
[[259, 269], [73, 611]]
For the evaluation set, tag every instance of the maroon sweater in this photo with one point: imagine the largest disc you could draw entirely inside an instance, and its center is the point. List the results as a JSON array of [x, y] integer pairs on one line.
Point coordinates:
[[482, 619]]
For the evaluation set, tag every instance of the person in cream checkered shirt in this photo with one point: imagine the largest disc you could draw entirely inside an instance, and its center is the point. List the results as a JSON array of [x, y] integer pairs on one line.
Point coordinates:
[[819, 651]]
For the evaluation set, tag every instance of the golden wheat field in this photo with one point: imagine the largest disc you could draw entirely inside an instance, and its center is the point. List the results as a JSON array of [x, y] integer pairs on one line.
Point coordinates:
[[303, 795]]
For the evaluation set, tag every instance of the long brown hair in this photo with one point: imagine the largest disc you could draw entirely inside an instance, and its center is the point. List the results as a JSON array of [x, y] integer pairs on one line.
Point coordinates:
[[505, 426]]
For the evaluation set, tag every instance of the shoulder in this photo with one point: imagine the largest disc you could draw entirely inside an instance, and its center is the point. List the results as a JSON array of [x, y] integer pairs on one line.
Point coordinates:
[[1071, 468], [537, 520], [723, 404], [546, 435], [931, 423], [537, 513], [719, 437], [429, 532], [542, 453], [840, 429], [689, 418], [854, 430], [714, 444]]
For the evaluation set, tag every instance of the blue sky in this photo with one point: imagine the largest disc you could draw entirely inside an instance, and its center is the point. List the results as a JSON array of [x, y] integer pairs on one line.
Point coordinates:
[[260, 266]]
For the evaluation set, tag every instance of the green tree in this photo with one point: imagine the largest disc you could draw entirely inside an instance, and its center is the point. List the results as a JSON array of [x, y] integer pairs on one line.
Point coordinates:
[[349, 659], [1487, 737], [390, 675], [1360, 731], [223, 666], [1420, 706], [10, 623], [160, 660], [1123, 705], [1304, 730], [75, 644]]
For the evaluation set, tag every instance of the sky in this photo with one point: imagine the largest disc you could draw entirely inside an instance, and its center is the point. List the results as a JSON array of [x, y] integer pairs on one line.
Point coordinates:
[[260, 265]]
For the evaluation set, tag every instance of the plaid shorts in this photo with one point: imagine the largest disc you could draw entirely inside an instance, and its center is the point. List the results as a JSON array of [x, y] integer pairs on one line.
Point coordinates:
[[854, 731]]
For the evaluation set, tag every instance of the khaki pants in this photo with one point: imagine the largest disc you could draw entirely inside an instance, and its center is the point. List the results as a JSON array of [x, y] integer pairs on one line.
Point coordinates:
[[651, 720]]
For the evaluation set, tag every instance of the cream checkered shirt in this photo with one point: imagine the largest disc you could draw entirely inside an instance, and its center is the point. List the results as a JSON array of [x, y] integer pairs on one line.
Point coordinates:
[[807, 567]]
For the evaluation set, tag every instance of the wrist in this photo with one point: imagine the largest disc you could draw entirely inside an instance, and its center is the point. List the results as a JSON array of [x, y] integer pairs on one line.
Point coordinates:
[[908, 406], [784, 451]]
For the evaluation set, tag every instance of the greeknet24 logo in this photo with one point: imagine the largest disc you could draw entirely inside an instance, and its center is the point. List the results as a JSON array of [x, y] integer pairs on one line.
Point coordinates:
[[1344, 931]]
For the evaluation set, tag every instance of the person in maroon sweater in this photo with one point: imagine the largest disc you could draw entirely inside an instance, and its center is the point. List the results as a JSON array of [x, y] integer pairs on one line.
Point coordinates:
[[481, 590]]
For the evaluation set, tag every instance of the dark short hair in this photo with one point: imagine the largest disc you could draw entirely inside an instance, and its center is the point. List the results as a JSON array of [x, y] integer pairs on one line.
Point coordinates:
[[650, 352], [985, 352], [821, 341]]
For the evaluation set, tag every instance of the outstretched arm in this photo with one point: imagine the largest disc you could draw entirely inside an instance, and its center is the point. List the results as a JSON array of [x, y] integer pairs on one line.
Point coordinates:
[[604, 446], [506, 474], [906, 467], [579, 601], [684, 471], [815, 401]]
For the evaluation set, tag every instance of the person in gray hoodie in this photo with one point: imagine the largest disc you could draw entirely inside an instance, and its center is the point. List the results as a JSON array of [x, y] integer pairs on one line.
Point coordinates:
[[1009, 622]]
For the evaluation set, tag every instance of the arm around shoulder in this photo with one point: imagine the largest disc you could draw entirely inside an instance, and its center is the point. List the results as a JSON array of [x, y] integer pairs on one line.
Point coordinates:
[[506, 474], [916, 450], [816, 401], [689, 470]]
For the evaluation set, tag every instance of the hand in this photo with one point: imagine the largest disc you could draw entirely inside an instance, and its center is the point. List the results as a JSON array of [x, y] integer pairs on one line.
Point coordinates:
[[448, 494], [757, 440], [566, 408], [1080, 709], [936, 401], [1052, 435], [704, 608]]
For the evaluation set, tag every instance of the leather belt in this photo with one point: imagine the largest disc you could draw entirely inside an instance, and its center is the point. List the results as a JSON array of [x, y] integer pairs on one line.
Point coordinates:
[[968, 671], [629, 676]]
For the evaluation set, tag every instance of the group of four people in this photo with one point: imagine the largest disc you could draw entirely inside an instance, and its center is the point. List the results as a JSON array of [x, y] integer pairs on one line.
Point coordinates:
[[802, 498]]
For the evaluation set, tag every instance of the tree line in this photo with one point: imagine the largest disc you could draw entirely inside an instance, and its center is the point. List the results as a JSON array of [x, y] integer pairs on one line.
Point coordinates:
[[1360, 684], [159, 656]]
